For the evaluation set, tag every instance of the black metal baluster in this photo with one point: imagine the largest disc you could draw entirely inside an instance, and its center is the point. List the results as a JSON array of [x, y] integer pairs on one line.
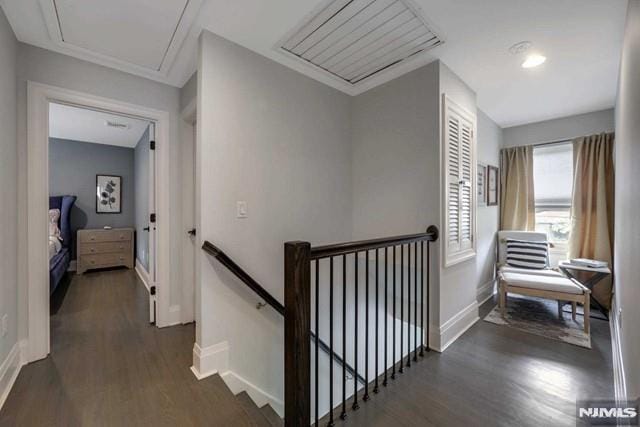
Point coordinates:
[[427, 295], [317, 332], [331, 342], [343, 415], [409, 305], [375, 388], [415, 301], [386, 308], [422, 299], [401, 370], [393, 338], [355, 405], [366, 328]]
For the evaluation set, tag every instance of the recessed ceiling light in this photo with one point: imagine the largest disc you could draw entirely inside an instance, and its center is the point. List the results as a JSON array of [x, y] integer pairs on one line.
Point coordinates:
[[533, 61]]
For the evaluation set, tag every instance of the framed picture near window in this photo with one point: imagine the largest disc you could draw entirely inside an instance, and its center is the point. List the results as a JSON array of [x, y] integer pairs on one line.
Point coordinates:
[[108, 194], [493, 185], [482, 184]]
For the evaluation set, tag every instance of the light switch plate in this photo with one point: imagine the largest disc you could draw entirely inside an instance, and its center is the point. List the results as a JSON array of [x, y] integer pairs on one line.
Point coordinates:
[[242, 209]]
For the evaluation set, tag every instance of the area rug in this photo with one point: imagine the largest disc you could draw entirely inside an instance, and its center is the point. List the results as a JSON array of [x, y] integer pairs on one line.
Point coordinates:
[[540, 317]]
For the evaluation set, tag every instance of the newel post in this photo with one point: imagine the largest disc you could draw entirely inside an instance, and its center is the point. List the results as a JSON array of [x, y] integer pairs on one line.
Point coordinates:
[[297, 334]]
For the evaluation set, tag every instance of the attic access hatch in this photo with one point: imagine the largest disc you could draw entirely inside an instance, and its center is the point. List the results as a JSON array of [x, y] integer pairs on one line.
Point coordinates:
[[357, 39]]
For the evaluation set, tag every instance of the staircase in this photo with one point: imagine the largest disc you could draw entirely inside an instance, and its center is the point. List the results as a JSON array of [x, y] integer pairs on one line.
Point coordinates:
[[242, 408]]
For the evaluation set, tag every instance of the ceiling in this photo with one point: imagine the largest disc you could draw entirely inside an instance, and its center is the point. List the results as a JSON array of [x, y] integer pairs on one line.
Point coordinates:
[[81, 124], [158, 39]]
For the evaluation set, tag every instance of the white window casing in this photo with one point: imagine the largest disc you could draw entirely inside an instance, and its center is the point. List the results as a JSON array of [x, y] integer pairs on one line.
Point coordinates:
[[459, 156]]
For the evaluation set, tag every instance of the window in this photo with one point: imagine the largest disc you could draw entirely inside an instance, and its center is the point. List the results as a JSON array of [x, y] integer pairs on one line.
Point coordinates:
[[460, 160], [553, 183]]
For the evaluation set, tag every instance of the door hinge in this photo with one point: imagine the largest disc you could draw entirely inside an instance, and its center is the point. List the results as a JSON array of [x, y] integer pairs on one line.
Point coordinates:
[[152, 145], [152, 290], [152, 218]]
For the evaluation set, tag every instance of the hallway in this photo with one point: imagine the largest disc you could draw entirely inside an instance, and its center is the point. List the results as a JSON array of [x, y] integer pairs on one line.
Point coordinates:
[[108, 366]]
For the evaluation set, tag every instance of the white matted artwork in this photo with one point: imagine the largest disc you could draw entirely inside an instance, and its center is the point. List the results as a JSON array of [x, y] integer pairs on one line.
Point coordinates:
[[482, 184], [493, 185], [108, 194]]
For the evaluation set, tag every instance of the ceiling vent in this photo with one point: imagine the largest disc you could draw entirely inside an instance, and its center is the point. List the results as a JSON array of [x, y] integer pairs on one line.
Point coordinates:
[[357, 39], [117, 125]]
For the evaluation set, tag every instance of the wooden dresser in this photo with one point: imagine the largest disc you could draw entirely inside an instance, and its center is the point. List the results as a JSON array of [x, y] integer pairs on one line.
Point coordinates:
[[105, 248]]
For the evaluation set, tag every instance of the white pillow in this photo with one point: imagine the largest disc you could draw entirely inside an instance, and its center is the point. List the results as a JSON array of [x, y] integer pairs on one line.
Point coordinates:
[[54, 230]]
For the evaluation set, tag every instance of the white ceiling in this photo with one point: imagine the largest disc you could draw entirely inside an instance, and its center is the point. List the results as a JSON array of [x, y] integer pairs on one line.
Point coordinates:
[[81, 124], [581, 39]]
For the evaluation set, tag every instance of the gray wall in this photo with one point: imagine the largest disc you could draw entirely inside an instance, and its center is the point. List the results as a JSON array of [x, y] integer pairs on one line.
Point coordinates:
[[141, 187], [8, 189], [63, 71], [73, 166], [627, 227], [562, 128], [189, 91], [280, 141]]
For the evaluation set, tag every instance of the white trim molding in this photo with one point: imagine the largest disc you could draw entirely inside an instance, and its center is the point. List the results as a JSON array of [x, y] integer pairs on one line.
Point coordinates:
[[486, 292], [9, 370], [37, 300], [214, 359], [442, 337], [237, 385], [620, 386], [210, 360]]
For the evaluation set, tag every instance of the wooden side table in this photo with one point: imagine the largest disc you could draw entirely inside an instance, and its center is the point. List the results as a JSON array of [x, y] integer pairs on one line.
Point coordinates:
[[597, 274]]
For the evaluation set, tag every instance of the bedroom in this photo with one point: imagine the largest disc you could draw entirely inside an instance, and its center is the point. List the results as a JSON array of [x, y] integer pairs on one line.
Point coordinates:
[[99, 198]]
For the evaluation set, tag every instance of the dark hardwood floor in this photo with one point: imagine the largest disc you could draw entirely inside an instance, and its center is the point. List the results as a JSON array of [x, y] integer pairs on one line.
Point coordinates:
[[494, 376], [109, 367]]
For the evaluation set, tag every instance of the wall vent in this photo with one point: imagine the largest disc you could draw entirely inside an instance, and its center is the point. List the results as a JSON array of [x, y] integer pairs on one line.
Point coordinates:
[[357, 39]]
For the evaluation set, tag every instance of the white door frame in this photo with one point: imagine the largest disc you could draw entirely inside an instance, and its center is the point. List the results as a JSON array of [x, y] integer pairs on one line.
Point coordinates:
[[38, 98], [187, 305]]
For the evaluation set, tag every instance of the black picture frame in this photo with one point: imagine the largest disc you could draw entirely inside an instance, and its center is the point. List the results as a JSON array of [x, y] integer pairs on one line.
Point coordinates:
[[493, 185], [113, 203]]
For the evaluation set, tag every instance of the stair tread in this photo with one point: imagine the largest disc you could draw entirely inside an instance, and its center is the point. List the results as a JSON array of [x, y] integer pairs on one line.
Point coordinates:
[[271, 416], [252, 410]]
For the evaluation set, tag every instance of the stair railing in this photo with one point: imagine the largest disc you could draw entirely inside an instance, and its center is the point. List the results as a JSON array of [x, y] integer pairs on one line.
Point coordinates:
[[234, 268], [300, 260]]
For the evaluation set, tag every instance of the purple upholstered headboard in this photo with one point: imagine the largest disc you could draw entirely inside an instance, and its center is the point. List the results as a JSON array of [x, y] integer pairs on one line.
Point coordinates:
[[64, 203]]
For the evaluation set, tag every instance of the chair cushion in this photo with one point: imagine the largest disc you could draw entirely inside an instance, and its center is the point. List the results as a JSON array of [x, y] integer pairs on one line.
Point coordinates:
[[527, 254], [541, 272], [543, 283]]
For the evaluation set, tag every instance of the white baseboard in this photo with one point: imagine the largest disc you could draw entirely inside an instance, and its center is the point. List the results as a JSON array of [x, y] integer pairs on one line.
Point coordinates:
[[210, 360], [142, 274], [9, 370], [620, 386], [73, 265], [485, 292], [446, 334], [214, 359], [174, 316], [237, 384]]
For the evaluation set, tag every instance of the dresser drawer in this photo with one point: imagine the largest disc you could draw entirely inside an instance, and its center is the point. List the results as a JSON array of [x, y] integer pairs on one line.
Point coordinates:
[[105, 247], [103, 260], [87, 236]]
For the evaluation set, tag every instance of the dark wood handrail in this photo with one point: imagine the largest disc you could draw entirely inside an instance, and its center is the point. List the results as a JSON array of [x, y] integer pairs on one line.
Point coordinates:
[[224, 259], [326, 251], [218, 254]]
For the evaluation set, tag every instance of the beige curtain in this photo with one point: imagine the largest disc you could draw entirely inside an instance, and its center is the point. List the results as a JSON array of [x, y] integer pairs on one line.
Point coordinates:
[[517, 202], [592, 205]]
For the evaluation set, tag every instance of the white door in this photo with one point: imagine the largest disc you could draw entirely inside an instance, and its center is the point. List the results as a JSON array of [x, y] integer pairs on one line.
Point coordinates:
[[190, 241]]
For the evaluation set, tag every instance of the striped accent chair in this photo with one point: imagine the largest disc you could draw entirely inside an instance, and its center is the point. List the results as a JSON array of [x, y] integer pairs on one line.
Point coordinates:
[[523, 269]]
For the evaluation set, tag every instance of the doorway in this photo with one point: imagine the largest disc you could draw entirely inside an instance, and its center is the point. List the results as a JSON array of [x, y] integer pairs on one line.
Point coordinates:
[[40, 98]]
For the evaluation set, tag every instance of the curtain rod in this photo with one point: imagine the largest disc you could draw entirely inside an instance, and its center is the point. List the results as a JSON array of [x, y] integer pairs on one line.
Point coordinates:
[[557, 141]]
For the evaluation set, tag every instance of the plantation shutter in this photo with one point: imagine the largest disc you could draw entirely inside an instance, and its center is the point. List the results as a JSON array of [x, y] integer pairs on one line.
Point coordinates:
[[460, 183]]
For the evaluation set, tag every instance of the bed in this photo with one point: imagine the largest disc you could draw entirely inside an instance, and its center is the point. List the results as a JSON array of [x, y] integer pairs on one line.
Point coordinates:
[[60, 242]]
